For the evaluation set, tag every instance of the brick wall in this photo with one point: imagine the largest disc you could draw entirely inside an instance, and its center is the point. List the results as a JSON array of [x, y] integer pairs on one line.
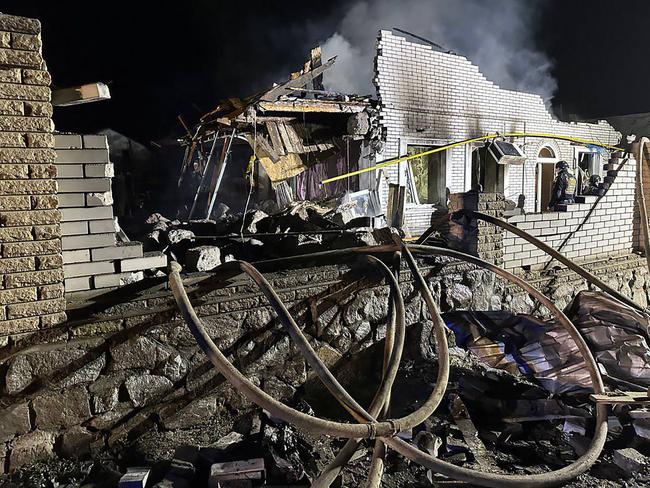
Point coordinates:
[[432, 98], [31, 275], [93, 256], [609, 228]]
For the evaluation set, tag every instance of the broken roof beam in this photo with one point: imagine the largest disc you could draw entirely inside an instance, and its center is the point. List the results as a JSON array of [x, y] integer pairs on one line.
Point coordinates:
[[300, 81], [316, 106], [92, 92]]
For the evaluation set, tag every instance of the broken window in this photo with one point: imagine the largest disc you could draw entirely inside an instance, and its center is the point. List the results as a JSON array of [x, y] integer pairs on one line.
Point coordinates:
[[427, 176], [487, 174], [589, 164]]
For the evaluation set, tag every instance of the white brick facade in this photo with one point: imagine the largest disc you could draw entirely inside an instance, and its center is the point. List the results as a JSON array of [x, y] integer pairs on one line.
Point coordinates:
[[609, 228], [432, 98]]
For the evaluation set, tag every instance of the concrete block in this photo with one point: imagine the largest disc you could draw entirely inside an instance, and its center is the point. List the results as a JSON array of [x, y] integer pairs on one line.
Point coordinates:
[[87, 242], [76, 256], [67, 141], [81, 283], [102, 226], [74, 228], [88, 269], [70, 171], [92, 213], [124, 251], [77, 156], [149, 261], [99, 199], [84, 185], [99, 170], [120, 279], [95, 142], [67, 200]]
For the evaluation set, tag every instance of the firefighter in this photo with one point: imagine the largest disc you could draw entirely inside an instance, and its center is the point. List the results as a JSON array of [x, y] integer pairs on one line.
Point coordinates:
[[564, 186]]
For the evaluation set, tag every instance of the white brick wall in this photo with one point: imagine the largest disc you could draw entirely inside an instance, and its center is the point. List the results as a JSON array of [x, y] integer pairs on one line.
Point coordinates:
[[609, 229], [430, 96]]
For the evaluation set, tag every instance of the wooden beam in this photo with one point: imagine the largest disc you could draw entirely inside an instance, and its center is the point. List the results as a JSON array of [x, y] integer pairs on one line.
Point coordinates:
[[93, 92]]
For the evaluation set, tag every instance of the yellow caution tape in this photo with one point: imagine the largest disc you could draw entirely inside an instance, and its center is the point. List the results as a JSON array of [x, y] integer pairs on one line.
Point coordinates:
[[393, 161]]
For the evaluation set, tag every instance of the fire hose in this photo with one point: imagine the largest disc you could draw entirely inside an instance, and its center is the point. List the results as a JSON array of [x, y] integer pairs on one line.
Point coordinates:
[[384, 431]]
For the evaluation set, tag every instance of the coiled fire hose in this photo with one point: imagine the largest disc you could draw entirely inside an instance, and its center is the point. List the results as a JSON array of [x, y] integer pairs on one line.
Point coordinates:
[[385, 430]]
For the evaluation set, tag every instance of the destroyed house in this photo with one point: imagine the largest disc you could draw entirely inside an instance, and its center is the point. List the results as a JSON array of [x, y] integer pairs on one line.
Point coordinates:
[[100, 362], [302, 135]]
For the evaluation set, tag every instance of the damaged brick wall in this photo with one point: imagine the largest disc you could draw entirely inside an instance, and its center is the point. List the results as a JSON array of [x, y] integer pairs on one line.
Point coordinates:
[[428, 97], [31, 275], [583, 230]]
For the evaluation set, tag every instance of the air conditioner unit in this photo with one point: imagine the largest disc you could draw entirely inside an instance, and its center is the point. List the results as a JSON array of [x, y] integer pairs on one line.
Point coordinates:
[[504, 152]]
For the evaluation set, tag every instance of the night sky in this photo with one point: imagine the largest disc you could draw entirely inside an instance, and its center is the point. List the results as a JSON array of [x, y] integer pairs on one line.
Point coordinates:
[[165, 58]]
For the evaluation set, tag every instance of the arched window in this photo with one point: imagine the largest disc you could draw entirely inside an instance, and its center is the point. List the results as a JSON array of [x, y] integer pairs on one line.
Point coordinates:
[[546, 153]]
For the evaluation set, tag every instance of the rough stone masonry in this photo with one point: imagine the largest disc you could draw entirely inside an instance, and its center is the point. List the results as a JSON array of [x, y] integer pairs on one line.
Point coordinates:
[[31, 269]]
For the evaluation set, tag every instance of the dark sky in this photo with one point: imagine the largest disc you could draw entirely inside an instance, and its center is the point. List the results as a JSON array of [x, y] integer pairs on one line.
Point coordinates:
[[166, 58]]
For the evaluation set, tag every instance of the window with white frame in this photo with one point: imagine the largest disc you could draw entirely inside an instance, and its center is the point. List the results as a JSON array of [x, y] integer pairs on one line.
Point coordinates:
[[427, 176]]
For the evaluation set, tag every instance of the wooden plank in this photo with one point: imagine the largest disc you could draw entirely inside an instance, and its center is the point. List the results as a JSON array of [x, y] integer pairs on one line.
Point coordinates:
[[276, 141], [625, 398], [300, 81], [286, 140], [296, 140], [92, 92]]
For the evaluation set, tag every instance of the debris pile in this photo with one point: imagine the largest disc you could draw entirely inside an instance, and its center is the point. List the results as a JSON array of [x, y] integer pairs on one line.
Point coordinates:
[[263, 232]]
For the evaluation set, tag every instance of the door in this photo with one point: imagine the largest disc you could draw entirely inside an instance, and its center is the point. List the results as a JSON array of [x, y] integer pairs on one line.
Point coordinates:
[[546, 173]]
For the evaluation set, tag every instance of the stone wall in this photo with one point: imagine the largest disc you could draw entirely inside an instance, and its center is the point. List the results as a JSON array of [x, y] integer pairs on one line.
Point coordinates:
[[432, 98], [125, 373], [31, 275]]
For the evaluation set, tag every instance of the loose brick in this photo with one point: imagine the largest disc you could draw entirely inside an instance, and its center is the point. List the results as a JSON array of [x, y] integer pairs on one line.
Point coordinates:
[[15, 203], [50, 261], [31, 309], [43, 202], [33, 278], [48, 292], [14, 171], [18, 295], [17, 265], [33, 217], [34, 248]]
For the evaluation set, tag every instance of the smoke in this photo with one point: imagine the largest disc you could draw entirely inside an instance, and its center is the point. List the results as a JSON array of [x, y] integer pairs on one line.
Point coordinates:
[[497, 35]]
